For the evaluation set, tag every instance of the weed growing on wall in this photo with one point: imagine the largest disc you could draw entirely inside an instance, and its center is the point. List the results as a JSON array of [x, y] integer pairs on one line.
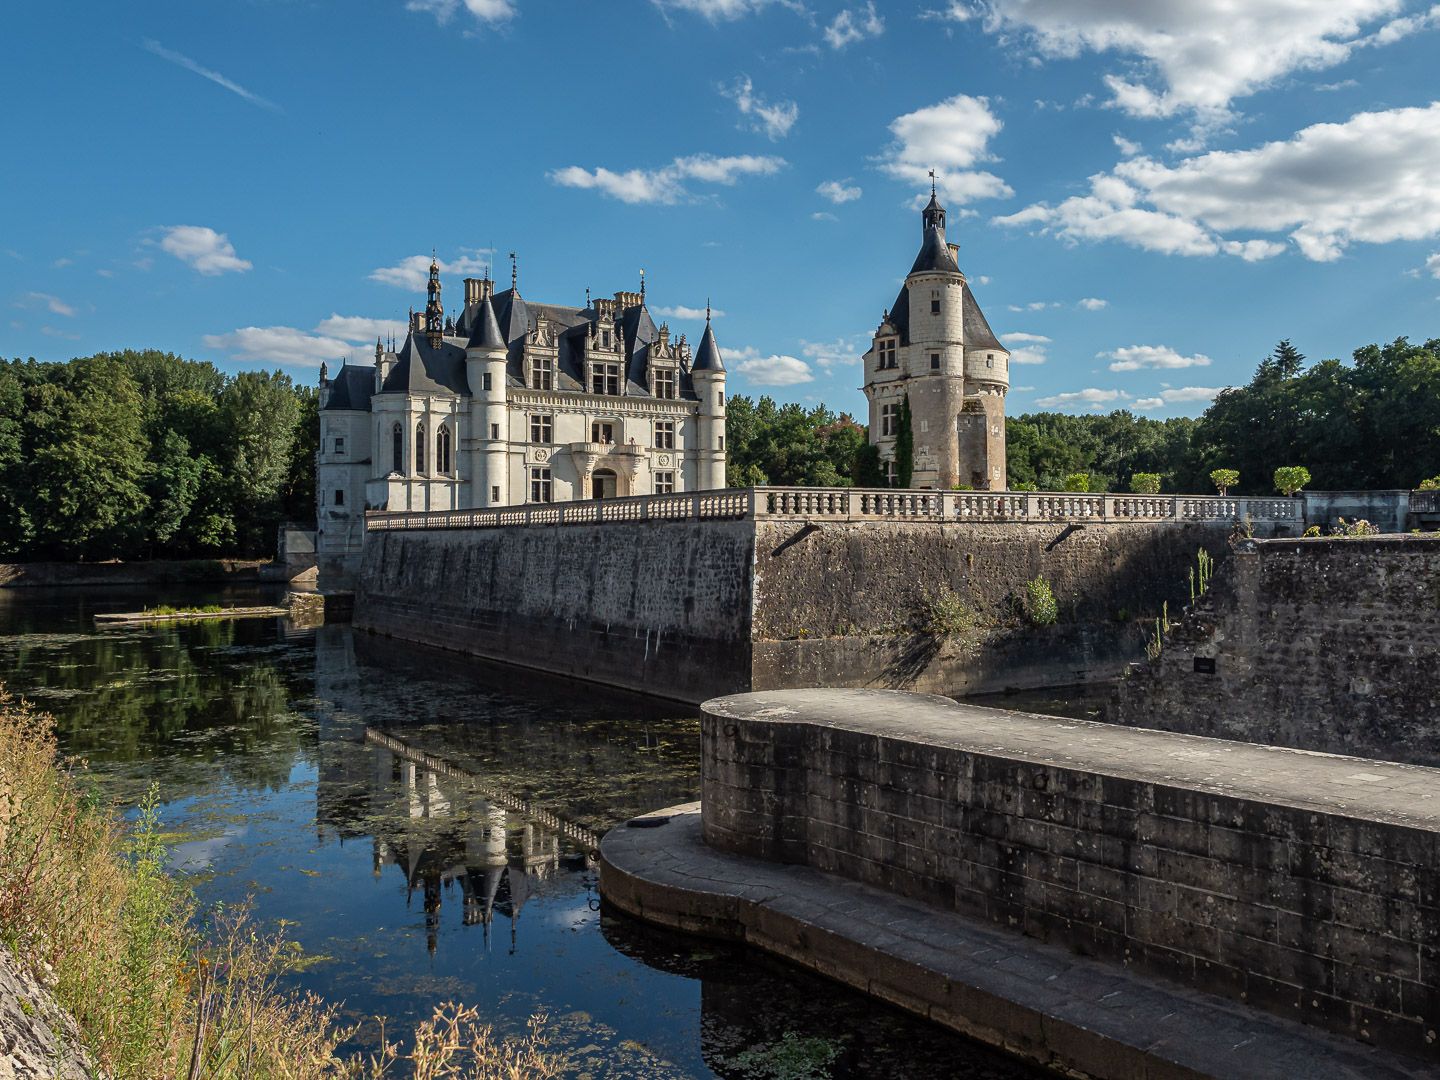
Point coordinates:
[[158, 993], [945, 613], [1154, 646], [1201, 581], [1358, 527], [1039, 603]]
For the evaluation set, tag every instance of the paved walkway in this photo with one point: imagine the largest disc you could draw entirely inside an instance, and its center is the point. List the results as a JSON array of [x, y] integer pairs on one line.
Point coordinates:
[[1039, 1002], [1383, 791]]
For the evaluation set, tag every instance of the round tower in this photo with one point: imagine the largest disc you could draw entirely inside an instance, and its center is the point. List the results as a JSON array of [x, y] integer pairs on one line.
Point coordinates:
[[708, 376], [936, 356], [485, 363]]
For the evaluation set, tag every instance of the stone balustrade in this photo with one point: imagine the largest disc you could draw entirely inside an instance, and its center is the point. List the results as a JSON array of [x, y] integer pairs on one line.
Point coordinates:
[[856, 504]]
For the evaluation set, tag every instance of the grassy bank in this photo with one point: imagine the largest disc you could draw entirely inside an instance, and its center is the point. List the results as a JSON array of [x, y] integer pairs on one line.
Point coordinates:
[[162, 990]]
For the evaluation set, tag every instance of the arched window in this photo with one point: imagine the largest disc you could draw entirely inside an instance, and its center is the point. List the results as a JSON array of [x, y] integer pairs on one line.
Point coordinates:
[[442, 449], [397, 437], [419, 448]]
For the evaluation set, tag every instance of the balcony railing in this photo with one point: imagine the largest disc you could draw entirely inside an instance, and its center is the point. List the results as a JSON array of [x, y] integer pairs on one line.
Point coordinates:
[[855, 504]]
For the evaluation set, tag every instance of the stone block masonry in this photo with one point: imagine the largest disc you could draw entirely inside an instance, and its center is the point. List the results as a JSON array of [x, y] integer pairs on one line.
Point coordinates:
[[1303, 884], [693, 608], [1328, 644]]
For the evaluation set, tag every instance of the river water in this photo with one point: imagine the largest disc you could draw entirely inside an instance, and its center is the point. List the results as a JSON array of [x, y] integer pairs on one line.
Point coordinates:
[[423, 825]]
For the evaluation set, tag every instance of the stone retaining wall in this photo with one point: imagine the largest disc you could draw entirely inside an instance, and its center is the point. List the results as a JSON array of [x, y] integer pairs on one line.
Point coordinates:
[[1328, 644], [1307, 885]]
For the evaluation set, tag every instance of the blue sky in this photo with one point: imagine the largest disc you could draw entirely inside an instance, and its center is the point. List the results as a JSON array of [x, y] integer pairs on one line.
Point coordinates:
[[1145, 201]]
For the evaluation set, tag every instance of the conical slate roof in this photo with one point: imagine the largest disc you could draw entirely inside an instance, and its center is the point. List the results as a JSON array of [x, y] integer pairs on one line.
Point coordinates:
[[934, 254], [707, 356], [487, 328]]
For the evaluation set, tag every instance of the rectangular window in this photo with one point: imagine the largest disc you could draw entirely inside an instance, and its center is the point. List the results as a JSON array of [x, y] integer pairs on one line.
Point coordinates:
[[887, 355], [665, 434], [722, 397], [339, 496], [339, 445], [602, 433], [665, 384], [541, 489], [664, 483], [605, 378], [722, 442], [934, 361], [542, 373], [542, 429], [485, 381], [494, 431], [889, 417], [935, 306], [605, 338], [494, 493]]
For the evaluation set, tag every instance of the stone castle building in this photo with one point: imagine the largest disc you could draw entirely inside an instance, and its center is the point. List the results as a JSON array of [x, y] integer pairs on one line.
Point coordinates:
[[516, 402], [935, 347]]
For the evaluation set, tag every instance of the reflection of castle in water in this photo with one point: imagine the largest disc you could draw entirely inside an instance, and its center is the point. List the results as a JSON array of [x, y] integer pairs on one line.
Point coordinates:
[[454, 836]]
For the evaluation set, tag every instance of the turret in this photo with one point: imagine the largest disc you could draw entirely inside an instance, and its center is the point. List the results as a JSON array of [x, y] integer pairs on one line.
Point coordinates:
[[324, 384], [434, 311], [707, 374], [485, 362]]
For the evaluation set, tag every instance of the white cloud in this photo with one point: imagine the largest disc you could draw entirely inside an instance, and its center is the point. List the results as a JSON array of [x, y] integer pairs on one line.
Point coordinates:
[[1200, 55], [1433, 265], [53, 304], [774, 120], [1343, 84], [413, 271], [957, 11], [981, 280], [1021, 389], [1030, 350], [67, 335], [1090, 396], [206, 250], [716, 10], [1178, 396], [358, 328], [837, 353], [282, 345], [951, 137], [1093, 303], [851, 26], [214, 76], [839, 191], [1140, 357], [58, 263], [1369, 179], [823, 215], [666, 185], [1037, 338], [486, 11], [773, 370], [1126, 147], [1034, 305], [682, 312], [105, 273]]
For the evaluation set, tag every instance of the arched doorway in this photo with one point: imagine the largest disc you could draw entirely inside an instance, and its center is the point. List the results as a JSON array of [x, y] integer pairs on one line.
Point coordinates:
[[602, 484]]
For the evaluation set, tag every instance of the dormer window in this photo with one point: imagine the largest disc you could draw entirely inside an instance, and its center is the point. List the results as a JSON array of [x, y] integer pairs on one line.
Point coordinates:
[[665, 383], [542, 373], [887, 354], [605, 339], [605, 378]]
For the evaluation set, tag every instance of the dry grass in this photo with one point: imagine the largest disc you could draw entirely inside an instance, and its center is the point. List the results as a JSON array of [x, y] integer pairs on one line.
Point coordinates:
[[161, 995]]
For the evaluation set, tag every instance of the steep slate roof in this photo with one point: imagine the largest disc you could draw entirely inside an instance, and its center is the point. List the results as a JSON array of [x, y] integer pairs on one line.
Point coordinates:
[[485, 331], [934, 254], [978, 334], [707, 356], [351, 388], [419, 369]]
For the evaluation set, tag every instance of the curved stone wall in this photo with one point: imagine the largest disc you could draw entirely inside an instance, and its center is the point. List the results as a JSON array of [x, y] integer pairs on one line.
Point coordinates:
[[1304, 884]]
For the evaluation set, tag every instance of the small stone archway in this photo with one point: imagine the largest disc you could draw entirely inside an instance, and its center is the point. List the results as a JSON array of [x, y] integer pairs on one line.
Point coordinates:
[[603, 484]]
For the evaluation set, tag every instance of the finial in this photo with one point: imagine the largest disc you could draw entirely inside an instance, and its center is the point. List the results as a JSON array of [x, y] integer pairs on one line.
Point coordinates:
[[932, 183], [514, 272], [642, 284], [707, 311], [587, 299]]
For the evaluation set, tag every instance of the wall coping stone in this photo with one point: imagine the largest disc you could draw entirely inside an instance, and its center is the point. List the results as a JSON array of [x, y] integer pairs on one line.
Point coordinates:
[[1381, 791]]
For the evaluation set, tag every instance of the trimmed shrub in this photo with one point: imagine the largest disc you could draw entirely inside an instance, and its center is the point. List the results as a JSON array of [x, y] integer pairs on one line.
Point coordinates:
[[1145, 483]]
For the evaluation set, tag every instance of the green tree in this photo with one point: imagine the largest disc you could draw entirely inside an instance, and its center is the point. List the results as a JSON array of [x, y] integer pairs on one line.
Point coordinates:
[[904, 445], [299, 495], [1291, 478], [1143, 483], [258, 413], [1077, 482], [1224, 479]]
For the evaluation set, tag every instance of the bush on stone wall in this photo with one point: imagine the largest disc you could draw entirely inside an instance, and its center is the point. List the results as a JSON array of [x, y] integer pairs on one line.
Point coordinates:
[[1039, 603], [1291, 478], [1224, 479]]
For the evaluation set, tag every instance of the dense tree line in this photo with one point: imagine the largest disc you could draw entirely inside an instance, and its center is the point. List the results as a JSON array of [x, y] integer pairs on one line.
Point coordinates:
[[146, 454], [1373, 422]]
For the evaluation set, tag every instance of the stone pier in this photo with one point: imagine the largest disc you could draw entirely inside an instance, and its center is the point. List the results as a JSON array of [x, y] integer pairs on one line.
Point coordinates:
[[1121, 903]]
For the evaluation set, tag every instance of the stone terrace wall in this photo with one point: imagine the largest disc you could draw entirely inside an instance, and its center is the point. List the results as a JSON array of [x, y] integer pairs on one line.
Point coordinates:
[[1328, 644], [658, 607], [1302, 884], [838, 605]]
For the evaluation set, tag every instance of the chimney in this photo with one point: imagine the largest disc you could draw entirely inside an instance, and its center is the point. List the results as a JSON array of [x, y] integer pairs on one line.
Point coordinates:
[[473, 294], [954, 252]]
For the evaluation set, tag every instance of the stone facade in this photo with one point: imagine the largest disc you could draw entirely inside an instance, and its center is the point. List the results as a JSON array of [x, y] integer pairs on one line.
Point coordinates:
[[1301, 884], [1328, 644], [515, 402], [934, 347]]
